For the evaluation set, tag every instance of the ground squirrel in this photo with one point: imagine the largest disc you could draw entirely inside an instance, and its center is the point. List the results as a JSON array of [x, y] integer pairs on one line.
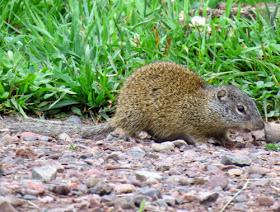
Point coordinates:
[[171, 102]]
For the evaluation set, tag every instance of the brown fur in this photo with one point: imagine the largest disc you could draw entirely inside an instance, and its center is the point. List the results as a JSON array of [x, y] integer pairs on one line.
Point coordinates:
[[169, 102]]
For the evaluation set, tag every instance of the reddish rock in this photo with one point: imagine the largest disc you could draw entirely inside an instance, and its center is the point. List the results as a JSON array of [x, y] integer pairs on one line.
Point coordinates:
[[26, 152], [6, 207], [30, 134], [123, 188], [258, 170], [218, 180], [276, 206], [265, 200], [94, 172], [36, 186]]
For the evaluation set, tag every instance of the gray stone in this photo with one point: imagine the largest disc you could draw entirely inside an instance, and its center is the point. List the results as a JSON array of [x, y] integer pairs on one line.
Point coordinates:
[[144, 175], [29, 197], [125, 203], [101, 189], [68, 155], [207, 198], [81, 146], [45, 173], [115, 156], [161, 203], [240, 207], [82, 188], [169, 200], [186, 148], [44, 138], [152, 192], [157, 147], [151, 155], [74, 119], [80, 140], [55, 164], [237, 159], [3, 191], [256, 176], [109, 200], [212, 169], [136, 152], [138, 199], [200, 159], [241, 198], [30, 138]]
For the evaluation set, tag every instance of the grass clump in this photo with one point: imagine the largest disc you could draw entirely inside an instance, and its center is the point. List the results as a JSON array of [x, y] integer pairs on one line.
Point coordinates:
[[74, 55], [273, 147]]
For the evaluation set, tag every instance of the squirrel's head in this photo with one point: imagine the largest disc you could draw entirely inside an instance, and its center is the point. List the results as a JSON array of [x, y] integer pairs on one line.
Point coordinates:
[[236, 108]]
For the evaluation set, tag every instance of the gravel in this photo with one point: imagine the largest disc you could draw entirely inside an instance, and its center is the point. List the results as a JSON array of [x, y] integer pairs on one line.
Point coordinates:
[[39, 173]]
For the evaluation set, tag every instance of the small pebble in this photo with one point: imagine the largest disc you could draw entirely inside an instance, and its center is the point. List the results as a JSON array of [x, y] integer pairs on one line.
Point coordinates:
[[45, 173], [207, 198], [235, 172], [29, 197], [152, 192], [123, 188], [179, 143], [144, 175], [157, 147]]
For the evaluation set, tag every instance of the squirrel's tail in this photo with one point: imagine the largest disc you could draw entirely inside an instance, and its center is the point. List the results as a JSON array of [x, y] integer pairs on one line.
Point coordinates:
[[102, 128], [54, 128]]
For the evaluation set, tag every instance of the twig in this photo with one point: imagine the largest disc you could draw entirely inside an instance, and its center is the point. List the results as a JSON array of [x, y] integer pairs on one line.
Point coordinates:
[[244, 187], [236, 194], [31, 203]]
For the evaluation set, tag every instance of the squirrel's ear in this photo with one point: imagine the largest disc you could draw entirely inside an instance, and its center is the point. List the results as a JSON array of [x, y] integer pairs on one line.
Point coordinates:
[[222, 95]]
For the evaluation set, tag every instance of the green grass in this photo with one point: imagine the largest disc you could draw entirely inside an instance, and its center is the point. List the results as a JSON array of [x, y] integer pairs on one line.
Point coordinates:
[[273, 147], [59, 55]]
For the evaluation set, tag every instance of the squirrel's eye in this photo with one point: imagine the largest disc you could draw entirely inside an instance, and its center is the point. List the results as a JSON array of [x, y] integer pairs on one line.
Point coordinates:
[[240, 108]]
